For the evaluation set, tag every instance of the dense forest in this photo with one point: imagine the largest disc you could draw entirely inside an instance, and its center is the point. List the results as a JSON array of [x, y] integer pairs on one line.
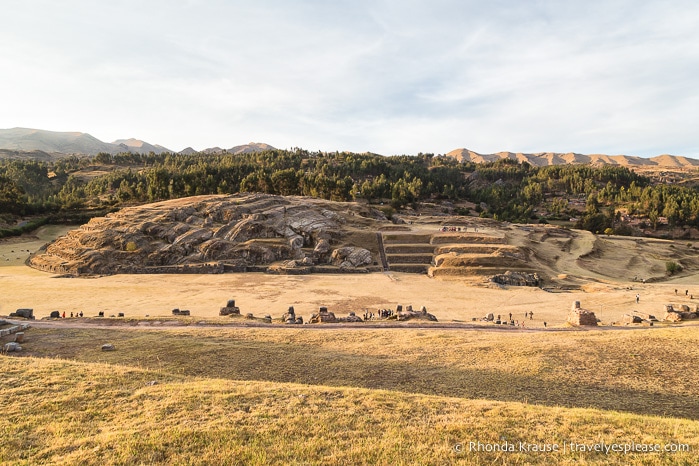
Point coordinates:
[[504, 190]]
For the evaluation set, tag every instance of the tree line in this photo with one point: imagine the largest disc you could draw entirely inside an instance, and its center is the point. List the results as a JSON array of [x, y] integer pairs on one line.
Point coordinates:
[[505, 190]]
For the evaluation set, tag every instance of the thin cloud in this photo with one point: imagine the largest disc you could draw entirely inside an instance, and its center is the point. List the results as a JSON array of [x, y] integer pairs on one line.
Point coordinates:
[[388, 77]]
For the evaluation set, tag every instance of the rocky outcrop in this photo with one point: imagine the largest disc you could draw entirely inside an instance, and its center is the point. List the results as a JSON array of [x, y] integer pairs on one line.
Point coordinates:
[[409, 314], [23, 313], [350, 257], [517, 279], [229, 232]]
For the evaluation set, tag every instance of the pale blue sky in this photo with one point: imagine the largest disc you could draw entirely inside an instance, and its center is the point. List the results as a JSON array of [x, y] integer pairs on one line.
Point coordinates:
[[614, 77]]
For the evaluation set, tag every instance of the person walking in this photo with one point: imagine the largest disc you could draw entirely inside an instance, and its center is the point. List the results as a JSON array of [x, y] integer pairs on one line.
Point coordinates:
[[638, 298]]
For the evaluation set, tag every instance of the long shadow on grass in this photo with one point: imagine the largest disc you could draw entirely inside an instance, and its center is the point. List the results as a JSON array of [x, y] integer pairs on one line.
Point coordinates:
[[240, 359]]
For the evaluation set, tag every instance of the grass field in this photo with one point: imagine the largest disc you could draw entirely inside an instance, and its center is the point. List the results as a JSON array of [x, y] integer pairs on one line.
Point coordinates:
[[374, 396]]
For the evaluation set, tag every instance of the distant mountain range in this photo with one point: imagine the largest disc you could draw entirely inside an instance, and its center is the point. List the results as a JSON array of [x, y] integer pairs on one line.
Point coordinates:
[[553, 158], [42, 144], [38, 143]]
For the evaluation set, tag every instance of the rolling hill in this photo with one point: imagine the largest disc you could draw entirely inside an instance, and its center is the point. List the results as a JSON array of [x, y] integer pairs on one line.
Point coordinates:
[[553, 158]]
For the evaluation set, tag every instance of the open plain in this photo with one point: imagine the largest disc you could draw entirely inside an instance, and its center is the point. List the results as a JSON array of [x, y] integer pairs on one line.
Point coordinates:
[[208, 389]]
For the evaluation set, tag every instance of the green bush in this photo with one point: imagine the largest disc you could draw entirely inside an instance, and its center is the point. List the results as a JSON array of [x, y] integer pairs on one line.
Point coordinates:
[[672, 267]]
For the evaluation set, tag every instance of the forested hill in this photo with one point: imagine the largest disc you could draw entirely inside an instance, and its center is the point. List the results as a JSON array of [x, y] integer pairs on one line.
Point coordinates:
[[504, 190]]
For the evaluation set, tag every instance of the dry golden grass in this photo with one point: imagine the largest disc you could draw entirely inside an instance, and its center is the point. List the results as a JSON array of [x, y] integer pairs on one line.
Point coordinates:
[[321, 396]]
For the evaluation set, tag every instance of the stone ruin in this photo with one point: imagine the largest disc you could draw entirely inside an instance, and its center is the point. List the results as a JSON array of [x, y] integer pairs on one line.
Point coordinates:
[[10, 347], [23, 313], [683, 313], [291, 318], [18, 331], [581, 317], [325, 316], [408, 314], [638, 317], [517, 279], [178, 312], [229, 309]]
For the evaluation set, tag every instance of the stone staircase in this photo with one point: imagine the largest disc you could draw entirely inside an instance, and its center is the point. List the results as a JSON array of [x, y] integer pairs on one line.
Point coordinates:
[[408, 252]]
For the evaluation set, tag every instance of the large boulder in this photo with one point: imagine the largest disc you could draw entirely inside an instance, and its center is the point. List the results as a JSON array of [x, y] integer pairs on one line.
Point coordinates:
[[517, 279], [24, 313], [321, 252], [351, 256]]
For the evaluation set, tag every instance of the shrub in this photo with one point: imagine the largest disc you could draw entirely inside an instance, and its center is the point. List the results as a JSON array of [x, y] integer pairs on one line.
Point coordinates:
[[672, 267]]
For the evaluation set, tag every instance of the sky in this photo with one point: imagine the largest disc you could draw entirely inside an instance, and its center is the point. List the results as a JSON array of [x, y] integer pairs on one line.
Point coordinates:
[[390, 77]]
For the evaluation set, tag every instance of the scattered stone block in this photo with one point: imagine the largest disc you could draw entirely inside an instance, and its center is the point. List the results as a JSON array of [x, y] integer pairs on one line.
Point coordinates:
[[23, 313], [229, 309], [646, 316], [19, 337], [323, 316], [121, 314], [422, 314], [55, 315], [11, 347], [631, 319], [267, 319], [108, 347], [249, 316]]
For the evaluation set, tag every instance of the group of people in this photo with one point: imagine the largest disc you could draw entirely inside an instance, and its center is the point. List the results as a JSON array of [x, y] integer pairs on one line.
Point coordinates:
[[686, 293], [379, 314], [77, 314], [517, 323], [456, 229]]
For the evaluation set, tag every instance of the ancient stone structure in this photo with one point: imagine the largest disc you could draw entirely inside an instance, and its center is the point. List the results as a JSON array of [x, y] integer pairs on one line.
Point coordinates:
[[290, 316], [208, 234], [180, 312], [581, 317], [631, 319], [677, 315], [323, 316], [409, 314], [229, 309]]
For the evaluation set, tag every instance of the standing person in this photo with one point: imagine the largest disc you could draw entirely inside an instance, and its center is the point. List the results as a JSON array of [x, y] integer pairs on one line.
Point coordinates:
[[544, 324], [638, 298], [686, 292], [64, 314], [531, 315]]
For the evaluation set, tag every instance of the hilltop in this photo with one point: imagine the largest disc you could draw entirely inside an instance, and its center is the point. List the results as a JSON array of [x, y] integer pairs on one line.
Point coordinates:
[[541, 159], [29, 143]]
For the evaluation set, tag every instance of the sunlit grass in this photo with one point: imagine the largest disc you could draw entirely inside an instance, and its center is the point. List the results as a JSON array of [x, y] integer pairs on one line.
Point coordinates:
[[301, 396]]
